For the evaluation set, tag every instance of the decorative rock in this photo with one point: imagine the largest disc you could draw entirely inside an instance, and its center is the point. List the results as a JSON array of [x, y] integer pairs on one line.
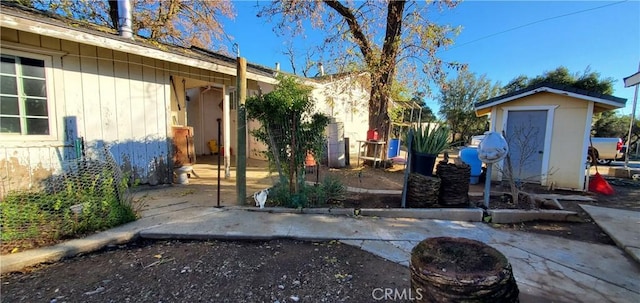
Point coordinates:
[[447, 269], [422, 191]]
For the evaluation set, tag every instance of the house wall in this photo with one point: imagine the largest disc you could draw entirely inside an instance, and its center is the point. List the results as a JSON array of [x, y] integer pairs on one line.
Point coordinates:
[[346, 100], [566, 164], [124, 101], [255, 148]]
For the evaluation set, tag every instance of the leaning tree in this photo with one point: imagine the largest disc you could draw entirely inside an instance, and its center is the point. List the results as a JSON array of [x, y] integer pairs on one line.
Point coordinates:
[[379, 37]]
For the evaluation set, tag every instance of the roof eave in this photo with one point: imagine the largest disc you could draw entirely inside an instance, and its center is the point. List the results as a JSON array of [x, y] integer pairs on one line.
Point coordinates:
[[554, 91], [63, 33]]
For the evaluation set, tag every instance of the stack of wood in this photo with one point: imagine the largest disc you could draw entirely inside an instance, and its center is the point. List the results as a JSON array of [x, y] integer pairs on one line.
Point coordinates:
[[454, 185], [447, 269], [422, 191]]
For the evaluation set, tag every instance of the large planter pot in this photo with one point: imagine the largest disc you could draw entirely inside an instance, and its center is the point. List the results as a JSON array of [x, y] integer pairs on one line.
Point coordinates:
[[454, 185], [422, 191], [423, 163], [452, 270]]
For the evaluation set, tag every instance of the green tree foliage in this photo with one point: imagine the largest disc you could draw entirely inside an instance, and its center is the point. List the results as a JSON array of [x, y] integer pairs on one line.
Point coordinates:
[[457, 101], [516, 84], [180, 22], [613, 125], [290, 129], [587, 80], [606, 124], [381, 37], [610, 124], [402, 114]]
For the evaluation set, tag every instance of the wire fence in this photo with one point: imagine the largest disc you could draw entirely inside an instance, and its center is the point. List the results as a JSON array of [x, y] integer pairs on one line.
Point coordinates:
[[91, 193]]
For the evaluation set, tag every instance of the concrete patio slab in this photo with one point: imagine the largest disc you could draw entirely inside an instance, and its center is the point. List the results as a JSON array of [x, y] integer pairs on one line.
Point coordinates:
[[623, 226]]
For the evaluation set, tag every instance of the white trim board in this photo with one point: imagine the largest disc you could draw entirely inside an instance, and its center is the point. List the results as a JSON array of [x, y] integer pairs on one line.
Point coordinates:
[[553, 91], [585, 145], [117, 43]]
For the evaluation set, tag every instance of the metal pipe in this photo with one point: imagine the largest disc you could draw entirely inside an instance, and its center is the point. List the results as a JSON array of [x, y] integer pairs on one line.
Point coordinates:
[[125, 16], [218, 161], [633, 114]]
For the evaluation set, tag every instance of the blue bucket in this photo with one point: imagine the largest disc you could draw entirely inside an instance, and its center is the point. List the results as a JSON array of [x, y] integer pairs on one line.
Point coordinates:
[[469, 155], [394, 148]]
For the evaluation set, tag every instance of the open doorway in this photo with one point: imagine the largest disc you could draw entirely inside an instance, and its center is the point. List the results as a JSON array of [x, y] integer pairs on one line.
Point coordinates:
[[203, 109]]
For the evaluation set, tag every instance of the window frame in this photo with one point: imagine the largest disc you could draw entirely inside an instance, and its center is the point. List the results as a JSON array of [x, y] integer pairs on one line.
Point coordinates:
[[51, 104]]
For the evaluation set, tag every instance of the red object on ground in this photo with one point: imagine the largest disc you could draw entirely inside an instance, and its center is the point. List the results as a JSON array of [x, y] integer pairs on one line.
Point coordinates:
[[600, 185], [372, 135]]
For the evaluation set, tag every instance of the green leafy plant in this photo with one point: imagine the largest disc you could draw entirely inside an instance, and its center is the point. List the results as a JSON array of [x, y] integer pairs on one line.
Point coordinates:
[[291, 129], [330, 190], [70, 205], [333, 189], [431, 141]]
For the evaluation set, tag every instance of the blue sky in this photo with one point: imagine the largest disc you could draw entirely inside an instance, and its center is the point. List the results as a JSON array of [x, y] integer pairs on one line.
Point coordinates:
[[502, 39]]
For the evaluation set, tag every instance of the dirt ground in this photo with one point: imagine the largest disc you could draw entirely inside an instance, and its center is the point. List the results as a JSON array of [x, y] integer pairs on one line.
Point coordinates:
[[271, 271], [213, 271], [627, 196]]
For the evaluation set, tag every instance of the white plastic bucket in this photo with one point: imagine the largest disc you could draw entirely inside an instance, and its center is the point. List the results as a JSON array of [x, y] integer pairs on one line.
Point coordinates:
[[181, 173]]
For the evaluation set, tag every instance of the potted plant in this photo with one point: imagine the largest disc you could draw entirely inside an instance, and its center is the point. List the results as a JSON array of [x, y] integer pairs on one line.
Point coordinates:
[[427, 144]]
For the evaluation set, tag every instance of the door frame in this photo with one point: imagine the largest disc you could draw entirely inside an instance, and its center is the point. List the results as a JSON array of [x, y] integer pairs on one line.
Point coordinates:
[[547, 135]]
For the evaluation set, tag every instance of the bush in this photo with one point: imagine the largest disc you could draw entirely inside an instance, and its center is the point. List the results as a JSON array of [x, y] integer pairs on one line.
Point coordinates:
[[329, 191], [71, 204]]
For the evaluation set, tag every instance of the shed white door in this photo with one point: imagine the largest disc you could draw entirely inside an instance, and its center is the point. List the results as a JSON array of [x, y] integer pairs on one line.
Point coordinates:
[[526, 130]]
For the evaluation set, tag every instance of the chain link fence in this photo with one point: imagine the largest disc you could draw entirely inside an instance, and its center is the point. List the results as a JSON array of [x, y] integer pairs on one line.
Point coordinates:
[[90, 194]]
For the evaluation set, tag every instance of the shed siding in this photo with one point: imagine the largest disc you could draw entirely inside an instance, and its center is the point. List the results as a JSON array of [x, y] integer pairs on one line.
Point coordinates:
[[567, 137]]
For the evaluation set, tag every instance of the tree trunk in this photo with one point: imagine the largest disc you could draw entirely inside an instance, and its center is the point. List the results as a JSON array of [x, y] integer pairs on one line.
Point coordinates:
[[378, 114]]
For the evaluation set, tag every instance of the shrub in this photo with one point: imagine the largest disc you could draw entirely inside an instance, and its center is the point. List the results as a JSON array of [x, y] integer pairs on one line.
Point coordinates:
[[71, 204]]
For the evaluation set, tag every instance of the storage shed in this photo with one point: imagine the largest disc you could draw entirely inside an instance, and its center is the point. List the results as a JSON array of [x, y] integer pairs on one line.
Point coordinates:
[[548, 128]]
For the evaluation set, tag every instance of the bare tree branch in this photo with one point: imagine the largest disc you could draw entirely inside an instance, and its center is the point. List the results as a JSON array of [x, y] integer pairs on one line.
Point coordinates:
[[354, 26]]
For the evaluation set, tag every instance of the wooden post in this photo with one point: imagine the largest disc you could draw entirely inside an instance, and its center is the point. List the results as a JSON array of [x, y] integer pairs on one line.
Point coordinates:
[[241, 153]]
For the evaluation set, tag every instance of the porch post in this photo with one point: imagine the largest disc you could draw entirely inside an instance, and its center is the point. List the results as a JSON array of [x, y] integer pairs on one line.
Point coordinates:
[[227, 136], [241, 153]]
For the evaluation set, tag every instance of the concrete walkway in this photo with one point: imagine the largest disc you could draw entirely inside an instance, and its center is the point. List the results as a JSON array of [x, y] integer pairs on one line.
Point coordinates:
[[546, 268], [623, 226]]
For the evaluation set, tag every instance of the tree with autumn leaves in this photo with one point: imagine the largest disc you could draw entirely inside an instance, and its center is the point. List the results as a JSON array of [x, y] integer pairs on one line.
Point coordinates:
[[179, 22]]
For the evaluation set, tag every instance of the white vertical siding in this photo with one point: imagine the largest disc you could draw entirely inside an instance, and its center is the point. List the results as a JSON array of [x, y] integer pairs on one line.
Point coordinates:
[[106, 97], [107, 89], [138, 119], [110, 97], [91, 97], [72, 84], [123, 143]]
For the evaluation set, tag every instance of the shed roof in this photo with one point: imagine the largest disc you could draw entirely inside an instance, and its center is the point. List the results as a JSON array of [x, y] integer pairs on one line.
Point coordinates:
[[609, 100]]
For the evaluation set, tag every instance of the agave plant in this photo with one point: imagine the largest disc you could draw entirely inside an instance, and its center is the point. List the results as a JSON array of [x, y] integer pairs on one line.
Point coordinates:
[[431, 141]]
